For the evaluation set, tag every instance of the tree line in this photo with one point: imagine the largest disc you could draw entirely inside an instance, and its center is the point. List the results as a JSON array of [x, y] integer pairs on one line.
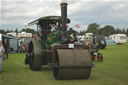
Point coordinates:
[[92, 28], [106, 30], [28, 30]]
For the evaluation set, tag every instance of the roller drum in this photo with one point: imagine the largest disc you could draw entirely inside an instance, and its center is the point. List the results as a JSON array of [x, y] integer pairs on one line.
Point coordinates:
[[73, 64]]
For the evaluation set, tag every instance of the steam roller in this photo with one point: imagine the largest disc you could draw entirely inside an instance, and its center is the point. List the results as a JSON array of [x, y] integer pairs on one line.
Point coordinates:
[[57, 47], [72, 64]]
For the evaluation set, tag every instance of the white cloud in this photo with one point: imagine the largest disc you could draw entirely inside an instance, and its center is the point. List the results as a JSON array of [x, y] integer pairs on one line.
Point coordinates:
[[17, 12], [25, 10]]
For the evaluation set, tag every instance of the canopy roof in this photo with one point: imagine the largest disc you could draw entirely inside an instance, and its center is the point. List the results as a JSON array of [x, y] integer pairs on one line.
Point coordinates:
[[47, 19], [8, 37]]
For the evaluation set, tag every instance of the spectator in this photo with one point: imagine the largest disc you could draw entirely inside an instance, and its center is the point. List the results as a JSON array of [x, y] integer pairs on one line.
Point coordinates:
[[86, 42], [1, 55], [6, 48]]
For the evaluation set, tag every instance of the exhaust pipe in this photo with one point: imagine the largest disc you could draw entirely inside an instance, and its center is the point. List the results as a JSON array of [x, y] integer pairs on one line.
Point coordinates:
[[64, 16]]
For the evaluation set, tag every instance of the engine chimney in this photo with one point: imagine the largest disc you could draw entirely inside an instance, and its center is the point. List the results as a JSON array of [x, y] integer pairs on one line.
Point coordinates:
[[64, 16]]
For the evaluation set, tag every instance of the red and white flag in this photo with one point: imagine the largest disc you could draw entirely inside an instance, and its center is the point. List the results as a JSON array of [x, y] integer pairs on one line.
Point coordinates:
[[77, 26]]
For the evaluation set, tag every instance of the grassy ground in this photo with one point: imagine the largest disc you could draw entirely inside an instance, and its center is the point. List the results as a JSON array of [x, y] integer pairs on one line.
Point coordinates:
[[113, 70]]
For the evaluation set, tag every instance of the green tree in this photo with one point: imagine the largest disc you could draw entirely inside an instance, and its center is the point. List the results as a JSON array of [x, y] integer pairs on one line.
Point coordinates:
[[2, 31], [101, 31], [28, 30], [123, 31], [7, 31], [108, 30], [16, 30], [127, 32], [82, 32], [93, 28], [117, 31]]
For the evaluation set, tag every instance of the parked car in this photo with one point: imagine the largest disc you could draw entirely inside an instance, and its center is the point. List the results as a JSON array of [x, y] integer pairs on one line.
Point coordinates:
[[100, 41]]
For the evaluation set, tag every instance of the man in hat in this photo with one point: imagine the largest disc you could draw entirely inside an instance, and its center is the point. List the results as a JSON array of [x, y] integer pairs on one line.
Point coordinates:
[[1, 54]]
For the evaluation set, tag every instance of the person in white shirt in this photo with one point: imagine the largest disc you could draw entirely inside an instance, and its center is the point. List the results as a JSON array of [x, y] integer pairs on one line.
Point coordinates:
[[1, 53]]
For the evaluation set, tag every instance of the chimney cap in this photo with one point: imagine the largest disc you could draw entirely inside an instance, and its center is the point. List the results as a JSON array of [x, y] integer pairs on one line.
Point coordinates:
[[64, 3]]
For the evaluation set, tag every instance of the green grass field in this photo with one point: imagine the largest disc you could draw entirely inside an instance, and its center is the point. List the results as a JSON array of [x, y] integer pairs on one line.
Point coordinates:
[[112, 71]]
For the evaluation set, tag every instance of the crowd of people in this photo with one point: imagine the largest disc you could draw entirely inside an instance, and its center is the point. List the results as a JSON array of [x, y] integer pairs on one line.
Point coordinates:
[[3, 52]]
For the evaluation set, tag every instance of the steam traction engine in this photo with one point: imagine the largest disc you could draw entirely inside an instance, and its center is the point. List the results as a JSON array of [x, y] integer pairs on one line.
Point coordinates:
[[56, 47]]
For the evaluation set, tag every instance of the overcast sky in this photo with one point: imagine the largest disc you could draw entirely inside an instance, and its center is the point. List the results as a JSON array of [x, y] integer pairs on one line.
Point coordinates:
[[17, 13]]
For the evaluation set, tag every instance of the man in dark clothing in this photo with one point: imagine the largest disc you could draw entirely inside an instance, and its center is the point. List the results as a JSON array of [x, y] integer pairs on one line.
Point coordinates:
[[6, 48], [71, 35]]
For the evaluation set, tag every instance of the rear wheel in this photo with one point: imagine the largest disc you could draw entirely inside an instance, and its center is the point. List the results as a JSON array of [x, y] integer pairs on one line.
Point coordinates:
[[35, 53]]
